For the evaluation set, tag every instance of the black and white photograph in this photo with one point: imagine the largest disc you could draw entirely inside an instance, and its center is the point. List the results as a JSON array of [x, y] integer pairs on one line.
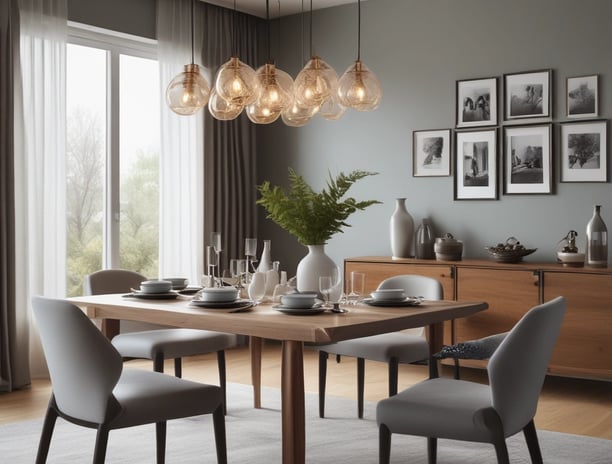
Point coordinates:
[[584, 151], [527, 160], [476, 165], [431, 153], [582, 96], [477, 102], [527, 95]]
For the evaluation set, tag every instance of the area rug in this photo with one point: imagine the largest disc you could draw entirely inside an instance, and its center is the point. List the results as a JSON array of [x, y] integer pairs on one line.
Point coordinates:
[[253, 437]]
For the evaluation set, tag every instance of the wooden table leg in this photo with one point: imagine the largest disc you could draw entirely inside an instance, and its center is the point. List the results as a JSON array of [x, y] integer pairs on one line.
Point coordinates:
[[293, 409], [110, 327], [435, 336], [255, 348]]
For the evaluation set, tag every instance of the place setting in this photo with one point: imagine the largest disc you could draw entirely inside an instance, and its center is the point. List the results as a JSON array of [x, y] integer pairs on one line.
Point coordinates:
[[301, 304], [221, 299], [389, 297]]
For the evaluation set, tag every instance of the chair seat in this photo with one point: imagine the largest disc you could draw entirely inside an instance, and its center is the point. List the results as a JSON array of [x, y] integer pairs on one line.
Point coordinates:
[[442, 407], [137, 390], [173, 343], [405, 347]]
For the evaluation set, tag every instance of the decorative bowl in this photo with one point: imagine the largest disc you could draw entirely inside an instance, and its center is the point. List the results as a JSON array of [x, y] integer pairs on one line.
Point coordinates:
[[570, 259], [510, 252], [155, 286]]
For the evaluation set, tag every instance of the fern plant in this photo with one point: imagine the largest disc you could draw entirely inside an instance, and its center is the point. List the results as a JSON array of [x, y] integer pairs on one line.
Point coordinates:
[[313, 218]]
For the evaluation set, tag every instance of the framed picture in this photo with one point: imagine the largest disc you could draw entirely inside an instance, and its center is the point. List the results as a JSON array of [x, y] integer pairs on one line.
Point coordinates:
[[584, 151], [527, 95], [527, 159], [477, 102], [431, 153], [476, 165], [582, 96]]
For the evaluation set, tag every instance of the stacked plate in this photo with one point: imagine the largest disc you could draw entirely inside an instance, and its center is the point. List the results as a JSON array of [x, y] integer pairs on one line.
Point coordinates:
[[300, 304], [154, 290], [221, 299], [392, 297]]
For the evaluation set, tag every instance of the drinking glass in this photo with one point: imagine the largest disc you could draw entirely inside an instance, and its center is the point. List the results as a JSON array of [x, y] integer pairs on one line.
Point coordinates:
[[215, 240], [211, 260], [237, 270], [250, 251], [356, 288], [326, 283], [257, 287]]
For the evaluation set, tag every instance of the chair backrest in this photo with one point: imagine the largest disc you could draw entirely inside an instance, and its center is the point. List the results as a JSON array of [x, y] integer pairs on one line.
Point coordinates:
[[112, 281], [84, 366], [415, 285], [518, 367]]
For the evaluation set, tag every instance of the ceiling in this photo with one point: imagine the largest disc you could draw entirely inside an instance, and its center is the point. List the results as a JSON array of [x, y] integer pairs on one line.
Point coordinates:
[[287, 7]]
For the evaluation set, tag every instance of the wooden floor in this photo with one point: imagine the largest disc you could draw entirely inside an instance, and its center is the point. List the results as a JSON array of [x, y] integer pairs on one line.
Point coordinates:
[[566, 405]]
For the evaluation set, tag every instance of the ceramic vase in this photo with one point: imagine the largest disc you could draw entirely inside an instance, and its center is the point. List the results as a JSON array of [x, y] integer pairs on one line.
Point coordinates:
[[265, 262], [402, 230], [315, 264], [424, 241], [257, 287], [596, 240]]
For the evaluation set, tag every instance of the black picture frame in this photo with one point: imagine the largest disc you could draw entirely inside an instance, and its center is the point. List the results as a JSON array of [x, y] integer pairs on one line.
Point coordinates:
[[528, 95], [582, 96], [476, 165], [476, 102], [432, 153], [592, 164]]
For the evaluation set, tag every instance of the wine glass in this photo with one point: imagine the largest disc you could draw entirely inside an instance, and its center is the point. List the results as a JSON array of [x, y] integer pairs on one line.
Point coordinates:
[[215, 240], [257, 287], [250, 251], [356, 287], [326, 284], [211, 259]]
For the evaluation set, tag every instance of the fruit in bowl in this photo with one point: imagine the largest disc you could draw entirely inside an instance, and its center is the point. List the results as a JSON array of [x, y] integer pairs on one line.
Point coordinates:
[[510, 252]]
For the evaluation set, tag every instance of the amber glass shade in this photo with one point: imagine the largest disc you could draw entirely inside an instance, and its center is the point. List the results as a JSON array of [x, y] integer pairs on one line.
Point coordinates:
[[331, 108], [315, 82], [188, 92], [359, 88], [222, 109], [274, 95], [236, 82]]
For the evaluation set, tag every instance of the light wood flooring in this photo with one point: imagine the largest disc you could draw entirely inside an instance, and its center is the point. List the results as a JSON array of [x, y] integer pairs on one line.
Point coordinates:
[[566, 405]]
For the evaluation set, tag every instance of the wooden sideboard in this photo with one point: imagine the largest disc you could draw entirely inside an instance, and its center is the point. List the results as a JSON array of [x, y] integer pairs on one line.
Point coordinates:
[[584, 348]]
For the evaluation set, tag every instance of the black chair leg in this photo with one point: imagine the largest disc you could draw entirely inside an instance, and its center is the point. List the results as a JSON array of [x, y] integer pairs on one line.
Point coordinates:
[[433, 368], [360, 386], [47, 433], [160, 440], [322, 379], [220, 440], [178, 368], [456, 362], [101, 443], [158, 363], [432, 450], [384, 444], [222, 377], [531, 437], [393, 373]]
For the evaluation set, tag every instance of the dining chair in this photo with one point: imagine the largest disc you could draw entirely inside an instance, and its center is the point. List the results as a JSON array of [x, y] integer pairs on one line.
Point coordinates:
[[392, 348], [470, 411], [91, 388], [162, 343]]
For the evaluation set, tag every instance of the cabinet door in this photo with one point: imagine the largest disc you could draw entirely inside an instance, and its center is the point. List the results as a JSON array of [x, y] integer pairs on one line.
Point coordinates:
[[509, 293], [584, 347]]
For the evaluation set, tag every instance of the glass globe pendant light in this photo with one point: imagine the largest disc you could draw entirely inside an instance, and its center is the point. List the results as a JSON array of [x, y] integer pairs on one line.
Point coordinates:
[[332, 109], [359, 88], [222, 109], [295, 115], [188, 92]]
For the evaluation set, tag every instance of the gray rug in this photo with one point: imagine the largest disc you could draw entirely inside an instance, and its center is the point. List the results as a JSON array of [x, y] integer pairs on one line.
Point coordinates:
[[254, 438]]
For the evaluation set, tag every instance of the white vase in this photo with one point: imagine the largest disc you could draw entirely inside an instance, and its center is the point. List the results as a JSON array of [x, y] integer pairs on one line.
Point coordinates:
[[257, 287], [315, 264], [265, 262], [402, 230]]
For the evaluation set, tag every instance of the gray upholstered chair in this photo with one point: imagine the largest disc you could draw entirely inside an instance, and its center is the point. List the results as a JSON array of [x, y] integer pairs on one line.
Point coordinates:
[[91, 388], [468, 411], [162, 343], [392, 348]]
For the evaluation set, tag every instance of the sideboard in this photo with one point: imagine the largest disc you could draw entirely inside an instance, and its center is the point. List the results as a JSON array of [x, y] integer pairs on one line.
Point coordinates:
[[584, 348]]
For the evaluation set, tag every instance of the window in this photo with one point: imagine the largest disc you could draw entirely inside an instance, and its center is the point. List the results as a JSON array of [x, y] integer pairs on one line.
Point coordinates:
[[112, 149]]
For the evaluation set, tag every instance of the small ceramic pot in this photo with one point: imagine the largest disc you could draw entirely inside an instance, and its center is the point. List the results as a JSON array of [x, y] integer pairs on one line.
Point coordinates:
[[447, 248]]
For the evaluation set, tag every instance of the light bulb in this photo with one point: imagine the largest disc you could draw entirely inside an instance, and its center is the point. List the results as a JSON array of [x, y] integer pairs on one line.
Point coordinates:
[[236, 82], [188, 92], [315, 82], [222, 109], [295, 115], [359, 88], [331, 108], [274, 94]]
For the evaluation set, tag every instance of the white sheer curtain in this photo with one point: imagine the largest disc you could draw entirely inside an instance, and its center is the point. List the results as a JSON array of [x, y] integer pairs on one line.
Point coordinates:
[[40, 148], [182, 152]]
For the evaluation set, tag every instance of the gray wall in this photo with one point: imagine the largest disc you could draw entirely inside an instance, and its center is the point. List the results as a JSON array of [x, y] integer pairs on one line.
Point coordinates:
[[135, 17], [419, 49]]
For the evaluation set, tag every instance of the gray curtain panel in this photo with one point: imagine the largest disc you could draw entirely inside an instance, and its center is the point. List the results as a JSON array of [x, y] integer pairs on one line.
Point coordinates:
[[230, 146]]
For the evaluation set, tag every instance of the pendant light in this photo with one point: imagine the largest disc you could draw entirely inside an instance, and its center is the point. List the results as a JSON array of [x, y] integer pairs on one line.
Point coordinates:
[[222, 109], [332, 109], [359, 88], [188, 92], [236, 81], [316, 81], [274, 88]]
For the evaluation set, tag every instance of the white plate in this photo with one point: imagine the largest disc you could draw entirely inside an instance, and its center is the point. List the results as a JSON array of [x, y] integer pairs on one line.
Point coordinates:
[[408, 301], [221, 304], [152, 296], [316, 309]]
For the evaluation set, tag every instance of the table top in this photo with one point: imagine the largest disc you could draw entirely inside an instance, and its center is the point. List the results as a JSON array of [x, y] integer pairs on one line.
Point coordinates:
[[266, 322]]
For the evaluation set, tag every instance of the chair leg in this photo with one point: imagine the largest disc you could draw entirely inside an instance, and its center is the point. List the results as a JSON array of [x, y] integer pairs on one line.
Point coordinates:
[[322, 380], [456, 368], [178, 368], [220, 441], [101, 443], [384, 444], [47, 433], [222, 377], [158, 363], [160, 440], [531, 437], [360, 386], [432, 450], [393, 372], [433, 368]]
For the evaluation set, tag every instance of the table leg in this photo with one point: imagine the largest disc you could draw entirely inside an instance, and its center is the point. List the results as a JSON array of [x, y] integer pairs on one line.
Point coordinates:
[[293, 410], [255, 349], [435, 336], [110, 327]]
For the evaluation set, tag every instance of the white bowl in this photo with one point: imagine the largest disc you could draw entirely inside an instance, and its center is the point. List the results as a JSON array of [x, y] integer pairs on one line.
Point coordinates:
[[178, 283], [155, 286], [218, 294], [299, 300], [389, 294]]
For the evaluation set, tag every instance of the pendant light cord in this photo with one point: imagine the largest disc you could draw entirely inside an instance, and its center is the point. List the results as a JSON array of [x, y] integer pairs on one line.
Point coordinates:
[[269, 32], [311, 28], [192, 29], [358, 30], [234, 32]]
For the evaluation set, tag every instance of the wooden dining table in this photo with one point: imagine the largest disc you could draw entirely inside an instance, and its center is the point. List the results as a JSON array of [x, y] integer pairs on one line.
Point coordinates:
[[265, 322]]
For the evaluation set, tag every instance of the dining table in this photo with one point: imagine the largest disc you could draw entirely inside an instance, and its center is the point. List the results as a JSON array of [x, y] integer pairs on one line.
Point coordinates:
[[265, 321]]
